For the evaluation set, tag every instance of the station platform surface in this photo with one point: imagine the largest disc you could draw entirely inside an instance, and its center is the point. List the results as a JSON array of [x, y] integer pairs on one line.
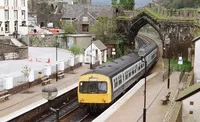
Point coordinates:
[[21, 102], [129, 108]]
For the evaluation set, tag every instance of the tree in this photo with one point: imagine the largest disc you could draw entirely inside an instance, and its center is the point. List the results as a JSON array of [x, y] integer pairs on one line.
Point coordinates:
[[126, 4], [68, 28], [75, 50], [26, 71], [103, 29]]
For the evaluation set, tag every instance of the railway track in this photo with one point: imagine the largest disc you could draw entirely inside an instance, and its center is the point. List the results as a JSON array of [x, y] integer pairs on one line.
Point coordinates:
[[63, 110]]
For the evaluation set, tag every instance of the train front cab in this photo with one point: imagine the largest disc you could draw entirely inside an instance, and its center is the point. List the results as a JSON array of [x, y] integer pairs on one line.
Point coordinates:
[[94, 89]]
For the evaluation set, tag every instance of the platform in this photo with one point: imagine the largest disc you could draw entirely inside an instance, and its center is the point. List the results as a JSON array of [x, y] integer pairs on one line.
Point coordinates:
[[129, 108], [24, 101]]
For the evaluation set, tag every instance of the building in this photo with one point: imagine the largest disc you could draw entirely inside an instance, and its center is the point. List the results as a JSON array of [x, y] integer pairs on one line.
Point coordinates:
[[190, 98], [14, 17], [83, 16], [196, 41], [99, 53]]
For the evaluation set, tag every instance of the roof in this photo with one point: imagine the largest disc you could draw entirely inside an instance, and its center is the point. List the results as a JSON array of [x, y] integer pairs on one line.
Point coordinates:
[[196, 39], [188, 92], [100, 45], [110, 69], [73, 11]]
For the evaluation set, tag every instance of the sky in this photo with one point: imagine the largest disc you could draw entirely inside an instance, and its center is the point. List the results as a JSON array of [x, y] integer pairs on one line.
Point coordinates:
[[138, 3]]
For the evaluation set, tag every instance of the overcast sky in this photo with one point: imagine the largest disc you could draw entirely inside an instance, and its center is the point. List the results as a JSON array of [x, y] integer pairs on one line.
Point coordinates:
[[138, 3]]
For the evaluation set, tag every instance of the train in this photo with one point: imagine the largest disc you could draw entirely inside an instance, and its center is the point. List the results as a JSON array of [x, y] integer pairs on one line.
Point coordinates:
[[101, 86]]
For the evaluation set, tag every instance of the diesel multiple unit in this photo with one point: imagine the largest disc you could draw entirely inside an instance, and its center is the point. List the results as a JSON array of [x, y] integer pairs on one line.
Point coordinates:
[[104, 84]]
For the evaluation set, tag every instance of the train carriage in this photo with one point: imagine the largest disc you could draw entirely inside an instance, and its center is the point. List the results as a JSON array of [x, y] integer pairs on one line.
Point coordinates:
[[104, 84]]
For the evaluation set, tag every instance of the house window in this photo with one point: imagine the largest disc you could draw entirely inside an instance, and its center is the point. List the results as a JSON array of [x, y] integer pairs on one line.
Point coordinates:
[[85, 19], [15, 2], [15, 14], [85, 27], [16, 26], [23, 3], [6, 2], [6, 14], [23, 15], [23, 23], [191, 102], [7, 27], [190, 112]]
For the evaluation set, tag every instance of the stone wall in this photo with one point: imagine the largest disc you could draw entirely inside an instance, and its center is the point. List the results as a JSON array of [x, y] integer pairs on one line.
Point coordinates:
[[23, 52], [182, 13], [7, 48], [47, 41]]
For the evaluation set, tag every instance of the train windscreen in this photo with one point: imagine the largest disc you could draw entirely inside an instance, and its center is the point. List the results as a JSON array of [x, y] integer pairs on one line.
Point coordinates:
[[99, 87]]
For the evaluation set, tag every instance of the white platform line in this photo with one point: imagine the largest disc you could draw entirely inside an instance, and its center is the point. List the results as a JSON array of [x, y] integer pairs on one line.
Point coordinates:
[[107, 113]]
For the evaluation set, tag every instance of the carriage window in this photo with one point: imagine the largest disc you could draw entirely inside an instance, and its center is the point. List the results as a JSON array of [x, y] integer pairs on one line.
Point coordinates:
[[129, 74], [93, 87], [115, 84], [120, 79]]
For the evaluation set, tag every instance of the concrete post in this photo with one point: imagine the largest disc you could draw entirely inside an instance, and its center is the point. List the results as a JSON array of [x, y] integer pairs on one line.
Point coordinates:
[[8, 82], [61, 65], [48, 70], [72, 61], [31, 76]]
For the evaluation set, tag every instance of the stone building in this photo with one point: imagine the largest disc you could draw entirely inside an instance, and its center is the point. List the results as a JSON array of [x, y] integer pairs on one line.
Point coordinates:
[[83, 16]]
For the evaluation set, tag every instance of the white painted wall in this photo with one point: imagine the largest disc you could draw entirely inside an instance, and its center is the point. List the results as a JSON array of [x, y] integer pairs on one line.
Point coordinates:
[[195, 108], [21, 30], [88, 54], [197, 62]]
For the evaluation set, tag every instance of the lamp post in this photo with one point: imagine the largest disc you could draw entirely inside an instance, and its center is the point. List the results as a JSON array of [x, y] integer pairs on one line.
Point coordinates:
[[142, 53], [91, 53], [56, 61], [49, 92], [167, 42]]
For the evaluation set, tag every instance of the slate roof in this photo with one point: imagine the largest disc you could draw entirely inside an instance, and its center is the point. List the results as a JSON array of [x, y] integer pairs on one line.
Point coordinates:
[[196, 39], [100, 45], [73, 11], [188, 92]]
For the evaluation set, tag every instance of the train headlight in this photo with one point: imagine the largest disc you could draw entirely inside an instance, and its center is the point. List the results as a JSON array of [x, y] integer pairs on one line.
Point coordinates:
[[82, 100], [103, 100]]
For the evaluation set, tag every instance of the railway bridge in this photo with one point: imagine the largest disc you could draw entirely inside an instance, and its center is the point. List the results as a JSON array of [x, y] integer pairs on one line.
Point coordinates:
[[177, 25]]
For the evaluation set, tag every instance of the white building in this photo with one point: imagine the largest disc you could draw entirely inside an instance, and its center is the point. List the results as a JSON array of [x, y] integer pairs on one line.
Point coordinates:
[[99, 52], [190, 98], [14, 17], [196, 59]]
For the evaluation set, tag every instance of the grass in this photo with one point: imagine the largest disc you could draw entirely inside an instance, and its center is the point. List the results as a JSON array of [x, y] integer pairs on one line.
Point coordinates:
[[186, 65], [109, 59]]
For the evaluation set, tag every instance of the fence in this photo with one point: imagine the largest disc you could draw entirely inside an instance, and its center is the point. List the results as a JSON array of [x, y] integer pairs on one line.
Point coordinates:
[[2, 83], [19, 80], [37, 74], [165, 75]]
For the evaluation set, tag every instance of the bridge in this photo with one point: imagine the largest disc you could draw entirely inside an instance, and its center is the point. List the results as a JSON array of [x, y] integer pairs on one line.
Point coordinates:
[[177, 25]]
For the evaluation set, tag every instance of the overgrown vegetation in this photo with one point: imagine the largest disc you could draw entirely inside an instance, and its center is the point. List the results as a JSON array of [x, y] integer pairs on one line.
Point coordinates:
[[177, 4], [104, 29], [186, 65], [126, 4], [68, 28]]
